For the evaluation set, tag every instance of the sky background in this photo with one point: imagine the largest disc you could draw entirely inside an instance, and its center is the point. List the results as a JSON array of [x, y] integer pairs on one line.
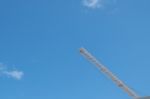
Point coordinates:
[[40, 41]]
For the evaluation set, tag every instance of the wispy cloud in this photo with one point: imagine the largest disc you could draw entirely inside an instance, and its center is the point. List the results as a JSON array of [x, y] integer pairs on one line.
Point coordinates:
[[99, 4], [16, 74], [93, 3]]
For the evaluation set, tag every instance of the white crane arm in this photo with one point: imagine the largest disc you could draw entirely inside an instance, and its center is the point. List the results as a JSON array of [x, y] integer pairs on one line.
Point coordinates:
[[116, 80]]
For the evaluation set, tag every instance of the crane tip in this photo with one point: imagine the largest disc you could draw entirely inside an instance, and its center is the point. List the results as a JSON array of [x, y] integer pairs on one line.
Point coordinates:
[[82, 49]]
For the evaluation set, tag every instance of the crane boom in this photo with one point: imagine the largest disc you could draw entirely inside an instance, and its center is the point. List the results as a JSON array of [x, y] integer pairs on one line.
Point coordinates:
[[116, 80]]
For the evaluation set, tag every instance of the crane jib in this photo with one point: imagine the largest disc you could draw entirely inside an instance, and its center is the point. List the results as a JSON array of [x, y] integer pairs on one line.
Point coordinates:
[[108, 73]]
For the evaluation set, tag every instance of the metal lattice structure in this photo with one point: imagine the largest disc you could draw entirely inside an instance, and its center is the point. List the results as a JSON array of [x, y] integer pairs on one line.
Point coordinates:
[[108, 73]]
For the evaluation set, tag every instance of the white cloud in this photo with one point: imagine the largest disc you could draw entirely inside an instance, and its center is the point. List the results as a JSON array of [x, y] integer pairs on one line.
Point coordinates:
[[107, 5], [16, 74], [93, 3]]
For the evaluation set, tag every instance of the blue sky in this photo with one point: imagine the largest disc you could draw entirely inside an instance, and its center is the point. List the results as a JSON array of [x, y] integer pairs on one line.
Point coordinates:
[[40, 41]]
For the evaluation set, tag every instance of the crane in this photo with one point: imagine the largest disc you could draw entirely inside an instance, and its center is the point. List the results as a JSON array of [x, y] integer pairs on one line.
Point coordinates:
[[108, 73]]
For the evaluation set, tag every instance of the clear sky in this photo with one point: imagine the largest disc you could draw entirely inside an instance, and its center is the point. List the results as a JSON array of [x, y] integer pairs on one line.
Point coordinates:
[[40, 41]]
